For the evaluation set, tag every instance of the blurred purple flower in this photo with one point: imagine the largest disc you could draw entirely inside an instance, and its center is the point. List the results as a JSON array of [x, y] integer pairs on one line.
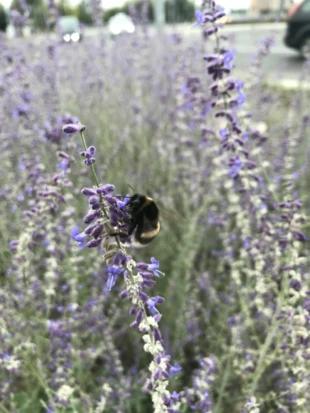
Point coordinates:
[[174, 369], [228, 59], [63, 165], [235, 168], [13, 244], [199, 16]]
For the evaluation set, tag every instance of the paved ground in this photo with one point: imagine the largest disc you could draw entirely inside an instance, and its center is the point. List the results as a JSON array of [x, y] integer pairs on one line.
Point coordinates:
[[283, 66]]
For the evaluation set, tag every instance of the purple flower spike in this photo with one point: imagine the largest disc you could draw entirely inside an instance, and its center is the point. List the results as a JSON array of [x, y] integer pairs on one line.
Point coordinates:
[[72, 128]]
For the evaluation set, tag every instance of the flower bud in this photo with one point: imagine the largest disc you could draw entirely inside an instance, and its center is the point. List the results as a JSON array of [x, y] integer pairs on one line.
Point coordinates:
[[123, 294], [90, 217], [94, 243], [88, 191], [97, 231], [73, 128], [105, 189]]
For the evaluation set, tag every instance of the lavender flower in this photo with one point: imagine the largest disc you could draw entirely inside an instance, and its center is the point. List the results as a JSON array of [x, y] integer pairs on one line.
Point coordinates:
[[160, 368]]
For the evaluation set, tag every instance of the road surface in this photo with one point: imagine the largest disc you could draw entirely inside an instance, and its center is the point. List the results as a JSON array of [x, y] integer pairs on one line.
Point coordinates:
[[283, 66]]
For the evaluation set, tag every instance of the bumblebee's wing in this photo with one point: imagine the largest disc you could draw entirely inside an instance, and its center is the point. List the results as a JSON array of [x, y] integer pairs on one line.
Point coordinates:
[[170, 214]]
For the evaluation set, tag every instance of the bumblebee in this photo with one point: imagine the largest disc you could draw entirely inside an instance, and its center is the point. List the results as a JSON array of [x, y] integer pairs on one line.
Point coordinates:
[[143, 218]]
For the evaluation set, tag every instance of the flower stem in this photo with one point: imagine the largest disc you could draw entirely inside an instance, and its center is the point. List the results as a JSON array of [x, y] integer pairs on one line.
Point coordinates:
[[260, 364], [218, 406], [3, 409], [268, 342]]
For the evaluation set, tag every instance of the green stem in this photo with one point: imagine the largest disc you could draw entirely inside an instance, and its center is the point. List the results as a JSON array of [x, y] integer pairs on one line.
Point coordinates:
[[37, 375], [218, 407], [260, 364], [267, 178], [305, 225], [269, 339], [3, 409]]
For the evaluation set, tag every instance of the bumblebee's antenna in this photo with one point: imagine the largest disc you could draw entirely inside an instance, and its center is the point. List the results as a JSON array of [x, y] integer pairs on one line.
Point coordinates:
[[131, 187]]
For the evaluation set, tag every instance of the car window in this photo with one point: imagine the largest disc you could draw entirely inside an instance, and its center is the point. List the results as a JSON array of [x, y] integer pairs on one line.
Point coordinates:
[[68, 24], [120, 18], [306, 6]]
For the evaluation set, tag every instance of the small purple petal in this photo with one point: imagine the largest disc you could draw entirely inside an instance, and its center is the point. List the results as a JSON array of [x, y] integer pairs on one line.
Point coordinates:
[[174, 369]]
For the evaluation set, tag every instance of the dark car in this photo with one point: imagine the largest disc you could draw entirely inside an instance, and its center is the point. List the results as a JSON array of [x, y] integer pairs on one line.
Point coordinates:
[[69, 29], [298, 28]]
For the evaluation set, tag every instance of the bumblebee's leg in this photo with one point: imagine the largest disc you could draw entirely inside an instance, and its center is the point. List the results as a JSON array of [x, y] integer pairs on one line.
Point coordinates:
[[117, 233], [131, 228]]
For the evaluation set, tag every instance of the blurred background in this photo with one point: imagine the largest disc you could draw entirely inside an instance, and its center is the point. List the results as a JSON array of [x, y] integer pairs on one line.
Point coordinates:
[[173, 10], [247, 22]]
